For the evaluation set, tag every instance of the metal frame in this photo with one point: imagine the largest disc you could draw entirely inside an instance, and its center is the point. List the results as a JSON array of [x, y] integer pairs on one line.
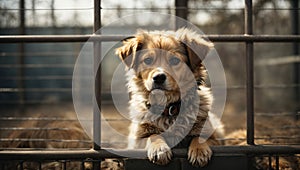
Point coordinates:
[[116, 153], [105, 38], [97, 153]]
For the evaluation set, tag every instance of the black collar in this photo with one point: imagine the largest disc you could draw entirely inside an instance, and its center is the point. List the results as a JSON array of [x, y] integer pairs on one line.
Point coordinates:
[[172, 110]]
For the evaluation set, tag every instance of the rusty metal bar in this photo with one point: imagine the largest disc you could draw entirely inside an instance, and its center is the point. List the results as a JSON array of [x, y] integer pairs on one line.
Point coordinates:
[[249, 73], [277, 162], [22, 165], [44, 38], [249, 79], [97, 74], [44, 140], [114, 153], [181, 11], [159, 8], [22, 31], [107, 38], [296, 51], [97, 83]]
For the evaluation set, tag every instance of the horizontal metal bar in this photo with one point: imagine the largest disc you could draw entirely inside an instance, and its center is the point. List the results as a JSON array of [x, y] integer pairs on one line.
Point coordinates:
[[84, 38], [260, 86], [199, 8], [273, 114], [264, 138], [41, 54], [45, 140], [151, 8], [36, 119], [114, 153], [49, 9], [48, 78], [34, 102], [51, 77], [43, 38], [107, 142], [53, 119], [2, 90], [33, 129], [59, 38], [11, 118], [254, 38], [37, 66]]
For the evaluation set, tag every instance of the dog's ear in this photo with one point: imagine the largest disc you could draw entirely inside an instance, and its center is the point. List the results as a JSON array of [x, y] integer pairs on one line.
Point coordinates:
[[127, 52], [196, 47]]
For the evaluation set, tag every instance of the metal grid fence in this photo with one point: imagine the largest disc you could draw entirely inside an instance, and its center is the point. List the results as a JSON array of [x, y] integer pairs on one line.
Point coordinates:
[[96, 154]]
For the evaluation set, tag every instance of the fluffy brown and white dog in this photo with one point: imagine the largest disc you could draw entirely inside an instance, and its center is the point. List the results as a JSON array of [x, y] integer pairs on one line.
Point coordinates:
[[170, 103]]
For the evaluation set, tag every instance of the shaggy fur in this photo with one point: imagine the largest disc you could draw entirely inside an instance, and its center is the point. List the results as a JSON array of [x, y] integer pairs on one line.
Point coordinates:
[[163, 68]]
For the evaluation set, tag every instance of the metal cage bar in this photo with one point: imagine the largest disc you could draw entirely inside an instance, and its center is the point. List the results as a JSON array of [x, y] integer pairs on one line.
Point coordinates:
[[106, 38], [97, 74], [249, 73], [248, 22], [97, 153], [97, 84], [116, 153]]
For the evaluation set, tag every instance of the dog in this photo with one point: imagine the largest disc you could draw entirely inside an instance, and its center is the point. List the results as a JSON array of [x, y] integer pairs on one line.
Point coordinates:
[[169, 101]]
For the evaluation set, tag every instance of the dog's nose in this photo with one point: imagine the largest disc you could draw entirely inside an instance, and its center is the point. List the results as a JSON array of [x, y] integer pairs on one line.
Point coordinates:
[[159, 78]]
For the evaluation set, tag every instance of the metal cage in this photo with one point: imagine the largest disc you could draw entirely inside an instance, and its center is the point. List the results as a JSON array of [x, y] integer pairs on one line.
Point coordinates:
[[91, 158]]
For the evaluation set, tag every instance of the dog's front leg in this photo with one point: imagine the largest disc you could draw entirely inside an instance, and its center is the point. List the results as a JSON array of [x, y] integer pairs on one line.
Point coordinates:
[[199, 152], [158, 150]]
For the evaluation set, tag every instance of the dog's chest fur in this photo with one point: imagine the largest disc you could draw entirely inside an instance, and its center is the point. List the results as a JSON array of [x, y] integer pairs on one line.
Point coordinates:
[[195, 105]]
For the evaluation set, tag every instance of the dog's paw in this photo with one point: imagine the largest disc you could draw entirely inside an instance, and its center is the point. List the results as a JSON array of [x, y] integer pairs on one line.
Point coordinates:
[[199, 154], [159, 153]]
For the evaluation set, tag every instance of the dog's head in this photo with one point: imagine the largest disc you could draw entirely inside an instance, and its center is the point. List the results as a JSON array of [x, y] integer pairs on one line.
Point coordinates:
[[166, 60]]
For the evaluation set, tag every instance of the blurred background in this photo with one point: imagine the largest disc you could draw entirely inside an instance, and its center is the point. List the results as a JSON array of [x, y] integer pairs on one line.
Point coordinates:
[[36, 78]]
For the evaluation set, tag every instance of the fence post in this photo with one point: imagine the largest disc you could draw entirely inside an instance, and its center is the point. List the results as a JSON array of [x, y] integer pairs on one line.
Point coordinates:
[[249, 73], [97, 85], [249, 79], [22, 31], [296, 52], [181, 10]]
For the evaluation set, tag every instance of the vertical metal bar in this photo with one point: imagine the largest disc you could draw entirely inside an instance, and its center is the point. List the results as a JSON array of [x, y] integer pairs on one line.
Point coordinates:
[[181, 10], [250, 73], [277, 162], [21, 165], [64, 164], [82, 165], [97, 90], [40, 165], [249, 79], [21, 56], [97, 74], [270, 162], [296, 52]]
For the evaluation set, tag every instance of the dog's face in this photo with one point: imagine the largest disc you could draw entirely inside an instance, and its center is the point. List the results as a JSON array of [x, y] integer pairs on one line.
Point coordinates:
[[162, 65], [165, 60]]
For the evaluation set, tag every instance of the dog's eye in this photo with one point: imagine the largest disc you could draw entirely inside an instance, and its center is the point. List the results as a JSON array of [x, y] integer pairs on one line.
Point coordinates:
[[148, 60], [174, 61]]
